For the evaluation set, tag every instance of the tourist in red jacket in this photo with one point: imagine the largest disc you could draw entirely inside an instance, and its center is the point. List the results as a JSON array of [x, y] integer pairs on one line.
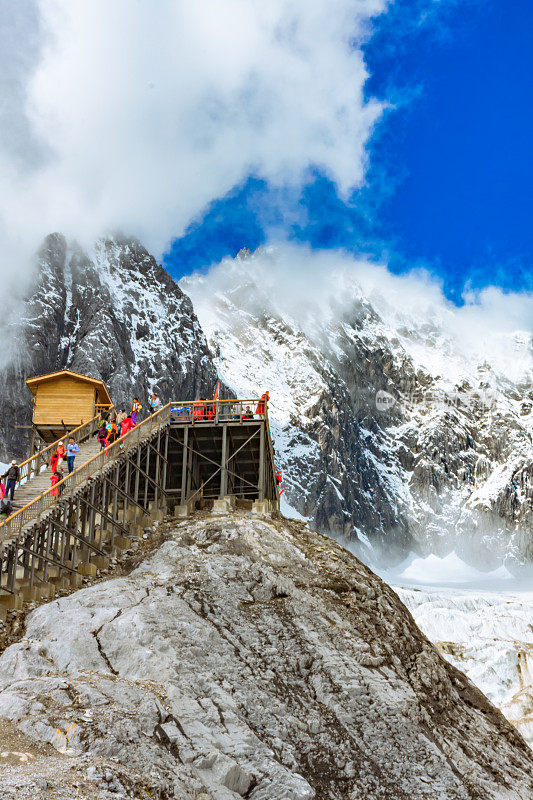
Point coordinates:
[[261, 406], [198, 411], [127, 425]]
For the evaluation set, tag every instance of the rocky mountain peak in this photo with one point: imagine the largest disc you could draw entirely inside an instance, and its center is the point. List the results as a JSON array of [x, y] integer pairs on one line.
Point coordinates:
[[380, 410]]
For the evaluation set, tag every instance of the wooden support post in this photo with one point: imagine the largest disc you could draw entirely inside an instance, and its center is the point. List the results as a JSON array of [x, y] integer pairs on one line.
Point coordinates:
[[26, 564], [137, 476], [68, 545], [184, 465], [115, 495], [41, 537], [77, 523], [146, 481], [224, 463], [261, 485], [92, 517], [103, 506], [52, 540], [126, 489], [165, 463], [189, 471], [13, 567], [68, 549], [157, 477]]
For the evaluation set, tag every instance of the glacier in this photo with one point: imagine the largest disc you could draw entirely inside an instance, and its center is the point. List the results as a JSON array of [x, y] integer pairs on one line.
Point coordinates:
[[482, 623]]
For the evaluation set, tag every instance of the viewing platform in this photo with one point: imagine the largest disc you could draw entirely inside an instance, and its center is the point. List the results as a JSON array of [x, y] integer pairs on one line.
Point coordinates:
[[188, 455]]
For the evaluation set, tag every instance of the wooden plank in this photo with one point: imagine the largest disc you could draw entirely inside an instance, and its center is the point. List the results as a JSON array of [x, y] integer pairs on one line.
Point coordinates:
[[184, 466], [261, 486]]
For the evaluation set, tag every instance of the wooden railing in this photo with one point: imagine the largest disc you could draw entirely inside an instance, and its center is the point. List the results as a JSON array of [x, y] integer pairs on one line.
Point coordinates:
[[201, 411], [14, 524]]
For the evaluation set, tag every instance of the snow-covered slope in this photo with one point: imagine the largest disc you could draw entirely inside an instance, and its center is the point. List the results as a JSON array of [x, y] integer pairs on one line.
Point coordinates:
[[397, 417]]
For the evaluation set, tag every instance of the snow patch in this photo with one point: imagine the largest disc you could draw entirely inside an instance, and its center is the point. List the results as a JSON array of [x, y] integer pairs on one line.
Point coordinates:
[[288, 511]]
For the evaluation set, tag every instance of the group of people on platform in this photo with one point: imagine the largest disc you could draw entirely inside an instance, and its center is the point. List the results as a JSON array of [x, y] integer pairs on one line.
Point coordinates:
[[206, 410], [114, 426]]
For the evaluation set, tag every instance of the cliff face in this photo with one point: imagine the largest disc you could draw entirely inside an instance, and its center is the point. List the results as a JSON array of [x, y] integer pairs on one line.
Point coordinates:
[[388, 429], [255, 658], [112, 313]]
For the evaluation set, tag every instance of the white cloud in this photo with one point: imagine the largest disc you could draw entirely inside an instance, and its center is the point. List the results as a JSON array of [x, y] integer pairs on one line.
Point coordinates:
[[134, 115], [313, 288]]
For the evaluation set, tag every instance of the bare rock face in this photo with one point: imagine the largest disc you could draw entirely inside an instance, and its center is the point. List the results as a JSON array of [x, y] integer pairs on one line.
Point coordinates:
[[255, 658], [114, 314]]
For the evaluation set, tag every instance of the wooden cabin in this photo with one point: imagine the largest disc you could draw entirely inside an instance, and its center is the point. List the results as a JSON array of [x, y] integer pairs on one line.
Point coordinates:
[[63, 400]]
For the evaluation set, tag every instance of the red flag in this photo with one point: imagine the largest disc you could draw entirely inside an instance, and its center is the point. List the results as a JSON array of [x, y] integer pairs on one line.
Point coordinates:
[[217, 392]]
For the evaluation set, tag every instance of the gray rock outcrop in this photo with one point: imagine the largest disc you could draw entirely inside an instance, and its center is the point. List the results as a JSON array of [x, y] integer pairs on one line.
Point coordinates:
[[255, 658]]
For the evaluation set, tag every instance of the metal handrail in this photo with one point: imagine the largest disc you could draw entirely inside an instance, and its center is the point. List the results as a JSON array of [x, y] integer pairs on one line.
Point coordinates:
[[14, 525], [215, 411]]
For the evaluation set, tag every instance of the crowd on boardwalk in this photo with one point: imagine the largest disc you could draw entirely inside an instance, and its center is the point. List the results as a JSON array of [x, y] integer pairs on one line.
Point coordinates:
[[114, 425]]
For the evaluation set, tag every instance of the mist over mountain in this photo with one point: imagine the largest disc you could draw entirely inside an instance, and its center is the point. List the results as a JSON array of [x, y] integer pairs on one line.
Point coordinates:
[[112, 313]]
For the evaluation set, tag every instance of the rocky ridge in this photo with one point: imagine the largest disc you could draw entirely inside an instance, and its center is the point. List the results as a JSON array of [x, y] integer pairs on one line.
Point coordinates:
[[252, 657]]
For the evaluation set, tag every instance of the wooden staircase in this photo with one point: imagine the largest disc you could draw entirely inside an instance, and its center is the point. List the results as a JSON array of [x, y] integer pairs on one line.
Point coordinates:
[[31, 488]]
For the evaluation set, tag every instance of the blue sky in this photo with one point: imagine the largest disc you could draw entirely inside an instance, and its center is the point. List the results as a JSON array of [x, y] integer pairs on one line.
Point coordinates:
[[450, 168]]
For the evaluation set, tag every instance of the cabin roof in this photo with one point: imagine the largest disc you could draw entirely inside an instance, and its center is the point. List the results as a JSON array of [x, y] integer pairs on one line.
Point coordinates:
[[103, 395]]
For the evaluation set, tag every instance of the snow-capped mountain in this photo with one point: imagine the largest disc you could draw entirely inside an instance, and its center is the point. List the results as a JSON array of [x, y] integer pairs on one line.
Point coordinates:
[[394, 422], [112, 313]]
